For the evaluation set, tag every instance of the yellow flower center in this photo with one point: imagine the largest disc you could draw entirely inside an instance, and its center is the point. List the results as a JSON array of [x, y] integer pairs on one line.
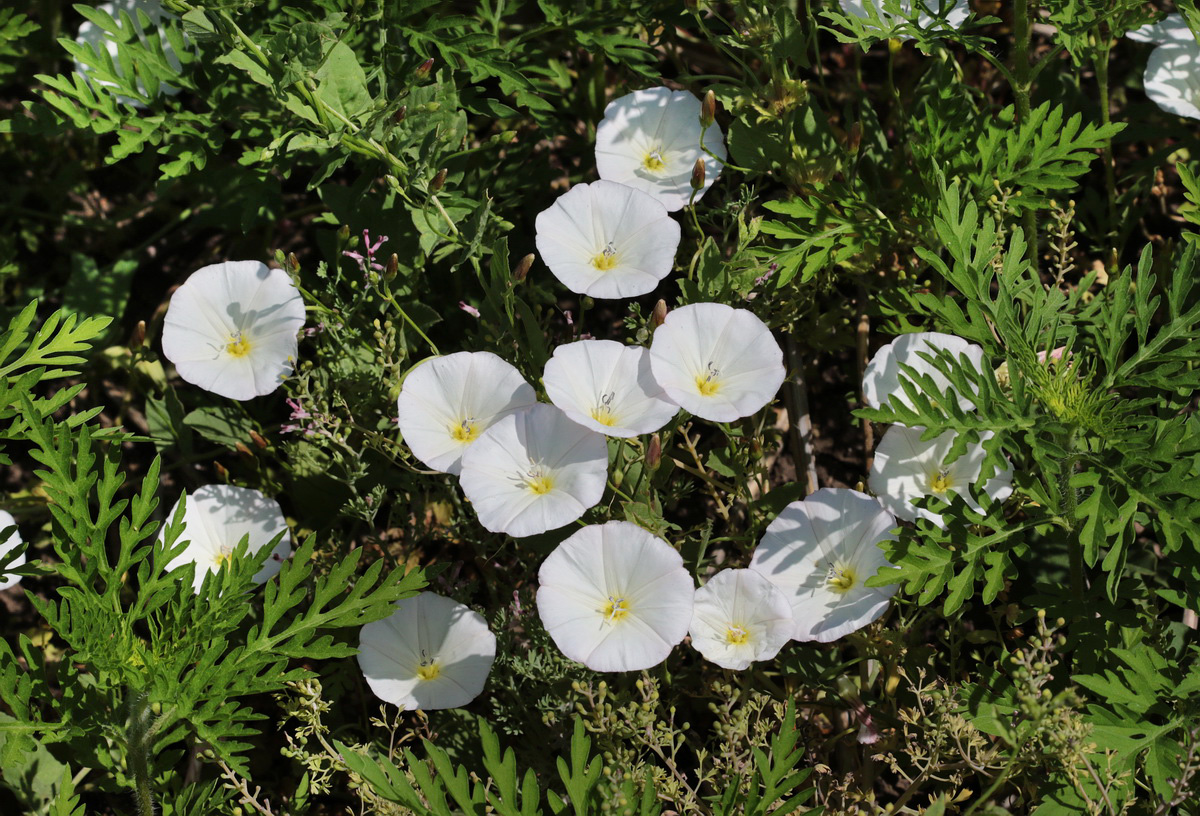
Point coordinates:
[[539, 481], [429, 669], [604, 415], [605, 259], [653, 162], [841, 578], [238, 345], [603, 412], [615, 609], [737, 635], [222, 559], [707, 383], [465, 431], [940, 482]]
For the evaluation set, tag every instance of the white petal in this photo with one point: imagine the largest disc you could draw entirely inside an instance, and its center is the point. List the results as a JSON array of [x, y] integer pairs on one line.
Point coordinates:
[[1172, 78], [662, 121], [440, 394], [8, 545], [715, 347], [222, 304], [740, 617], [834, 531], [607, 387], [590, 220], [824, 617], [438, 631], [958, 11], [882, 377], [579, 580], [904, 465], [534, 470], [217, 517]]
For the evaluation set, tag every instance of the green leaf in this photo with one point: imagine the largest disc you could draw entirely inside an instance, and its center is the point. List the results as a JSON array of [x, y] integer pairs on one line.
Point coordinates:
[[341, 82]]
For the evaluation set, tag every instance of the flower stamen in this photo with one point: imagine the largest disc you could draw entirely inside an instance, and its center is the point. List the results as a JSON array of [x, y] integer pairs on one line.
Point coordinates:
[[653, 161], [708, 384], [429, 669], [539, 481], [840, 578], [737, 634], [603, 412], [615, 609], [238, 345], [606, 259], [940, 481], [465, 431]]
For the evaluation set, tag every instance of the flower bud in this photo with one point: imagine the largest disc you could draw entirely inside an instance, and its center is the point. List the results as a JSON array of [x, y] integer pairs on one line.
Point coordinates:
[[854, 138], [293, 263], [400, 114], [393, 266], [243, 449], [654, 452], [708, 109], [698, 175], [523, 267], [438, 181], [424, 68], [659, 315], [257, 439], [222, 472], [344, 232], [139, 335]]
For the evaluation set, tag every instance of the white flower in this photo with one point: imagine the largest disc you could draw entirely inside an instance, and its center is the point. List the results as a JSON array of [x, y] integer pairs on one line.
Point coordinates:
[[717, 362], [607, 240], [740, 617], [1170, 29], [533, 471], [431, 652], [8, 545], [608, 387], [447, 402], [1172, 78], [217, 517], [650, 140], [231, 328], [101, 42], [820, 552], [882, 378], [905, 468], [958, 11], [615, 597]]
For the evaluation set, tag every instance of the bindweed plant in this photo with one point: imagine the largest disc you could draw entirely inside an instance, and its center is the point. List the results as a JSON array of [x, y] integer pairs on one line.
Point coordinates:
[[546, 407]]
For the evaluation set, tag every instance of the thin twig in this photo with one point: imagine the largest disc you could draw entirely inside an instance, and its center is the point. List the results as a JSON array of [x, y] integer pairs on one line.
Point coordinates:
[[862, 348], [799, 421], [243, 790]]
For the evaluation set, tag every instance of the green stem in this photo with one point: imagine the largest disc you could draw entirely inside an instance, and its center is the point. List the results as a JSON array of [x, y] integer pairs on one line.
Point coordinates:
[[392, 300], [1110, 179], [1022, 87], [138, 739], [1069, 502], [996, 783]]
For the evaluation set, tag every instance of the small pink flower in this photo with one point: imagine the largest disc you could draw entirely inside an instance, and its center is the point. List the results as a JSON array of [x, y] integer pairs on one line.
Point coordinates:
[[468, 308], [298, 411], [367, 262]]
